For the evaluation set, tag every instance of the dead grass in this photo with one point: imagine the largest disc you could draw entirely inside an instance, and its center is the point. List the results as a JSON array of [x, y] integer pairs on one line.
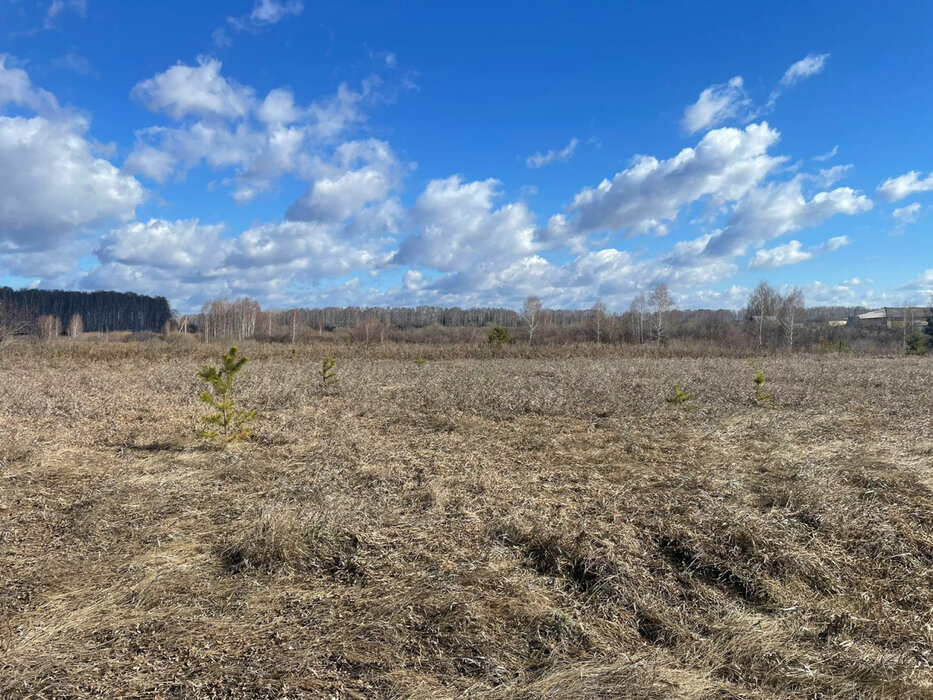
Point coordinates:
[[509, 528]]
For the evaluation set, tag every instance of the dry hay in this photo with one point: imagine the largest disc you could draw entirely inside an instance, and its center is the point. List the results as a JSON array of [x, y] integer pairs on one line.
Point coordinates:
[[510, 528]]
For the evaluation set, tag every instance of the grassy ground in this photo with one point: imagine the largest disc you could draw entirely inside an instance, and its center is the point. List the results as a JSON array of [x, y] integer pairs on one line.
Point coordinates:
[[512, 528]]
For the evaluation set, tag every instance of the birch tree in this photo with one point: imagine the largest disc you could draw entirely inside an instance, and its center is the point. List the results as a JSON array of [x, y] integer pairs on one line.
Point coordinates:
[[660, 302], [761, 304], [792, 308], [531, 316]]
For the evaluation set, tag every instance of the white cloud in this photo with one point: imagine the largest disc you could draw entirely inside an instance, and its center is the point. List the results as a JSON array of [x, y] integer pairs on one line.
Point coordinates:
[[792, 253], [53, 185], [264, 14], [896, 188], [724, 166], [17, 88], [457, 228], [58, 7], [259, 140], [360, 173], [778, 209], [539, 160], [810, 65], [715, 105], [200, 90], [907, 215], [829, 155], [271, 11], [163, 244]]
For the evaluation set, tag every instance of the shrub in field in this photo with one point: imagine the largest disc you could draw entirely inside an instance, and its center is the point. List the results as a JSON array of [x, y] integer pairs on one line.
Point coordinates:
[[229, 421], [498, 336], [918, 344], [678, 396], [328, 374], [420, 360], [761, 396]]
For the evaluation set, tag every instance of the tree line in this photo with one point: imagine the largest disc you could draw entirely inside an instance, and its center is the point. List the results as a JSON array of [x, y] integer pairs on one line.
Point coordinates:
[[769, 319], [96, 311]]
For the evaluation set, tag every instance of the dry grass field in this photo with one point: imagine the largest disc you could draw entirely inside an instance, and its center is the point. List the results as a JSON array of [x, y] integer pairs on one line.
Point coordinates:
[[478, 528]]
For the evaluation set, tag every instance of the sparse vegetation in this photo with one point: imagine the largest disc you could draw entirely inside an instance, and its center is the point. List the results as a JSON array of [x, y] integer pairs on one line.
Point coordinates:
[[524, 528], [678, 396], [231, 423]]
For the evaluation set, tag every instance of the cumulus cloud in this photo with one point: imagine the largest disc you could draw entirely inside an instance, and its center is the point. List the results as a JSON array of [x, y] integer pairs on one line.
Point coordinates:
[[17, 88], [895, 189], [360, 173], [778, 209], [199, 90], [724, 166], [724, 101], [539, 160], [225, 126], [715, 105], [163, 244], [457, 228], [54, 185], [193, 262], [792, 253]]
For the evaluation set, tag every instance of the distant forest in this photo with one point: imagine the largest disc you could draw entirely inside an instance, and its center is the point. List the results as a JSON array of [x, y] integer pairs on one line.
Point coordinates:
[[99, 311]]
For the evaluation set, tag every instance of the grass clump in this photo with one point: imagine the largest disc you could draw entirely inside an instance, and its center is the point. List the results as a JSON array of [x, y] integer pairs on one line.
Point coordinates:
[[230, 422]]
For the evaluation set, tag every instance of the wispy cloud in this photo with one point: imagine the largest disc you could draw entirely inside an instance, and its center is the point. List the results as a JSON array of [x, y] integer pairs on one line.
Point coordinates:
[[539, 160]]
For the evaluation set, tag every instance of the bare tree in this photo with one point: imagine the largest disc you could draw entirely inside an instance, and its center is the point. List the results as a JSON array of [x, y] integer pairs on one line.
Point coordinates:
[[49, 327], [661, 302], [76, 326], [761, 304], [599, 318], [792, 308], [639, 311], [13, 321], [531, 316]]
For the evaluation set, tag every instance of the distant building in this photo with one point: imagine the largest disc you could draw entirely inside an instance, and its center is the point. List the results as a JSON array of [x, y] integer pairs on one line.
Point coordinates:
[[888, 316]]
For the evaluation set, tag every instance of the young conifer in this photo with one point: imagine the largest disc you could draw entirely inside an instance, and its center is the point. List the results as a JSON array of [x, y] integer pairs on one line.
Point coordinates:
[[328, 374], [229, 421]]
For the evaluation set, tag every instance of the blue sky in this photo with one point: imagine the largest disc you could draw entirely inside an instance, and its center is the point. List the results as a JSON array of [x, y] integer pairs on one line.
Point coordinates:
[[385, 153]]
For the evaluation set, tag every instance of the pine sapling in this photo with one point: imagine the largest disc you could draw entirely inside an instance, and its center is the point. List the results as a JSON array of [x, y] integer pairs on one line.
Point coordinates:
[[761, 396], [679, 396], [229, 423], [328, 374]]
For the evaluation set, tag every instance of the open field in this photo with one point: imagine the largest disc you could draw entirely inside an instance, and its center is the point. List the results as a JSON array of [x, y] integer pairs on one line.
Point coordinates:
[[496, 528]]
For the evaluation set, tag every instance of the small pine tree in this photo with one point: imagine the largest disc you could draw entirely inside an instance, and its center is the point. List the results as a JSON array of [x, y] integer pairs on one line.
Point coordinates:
[[419, 360], [230, 421], [761, 396], [498, 336], [918, 344], [679, 396], [328, 374]]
